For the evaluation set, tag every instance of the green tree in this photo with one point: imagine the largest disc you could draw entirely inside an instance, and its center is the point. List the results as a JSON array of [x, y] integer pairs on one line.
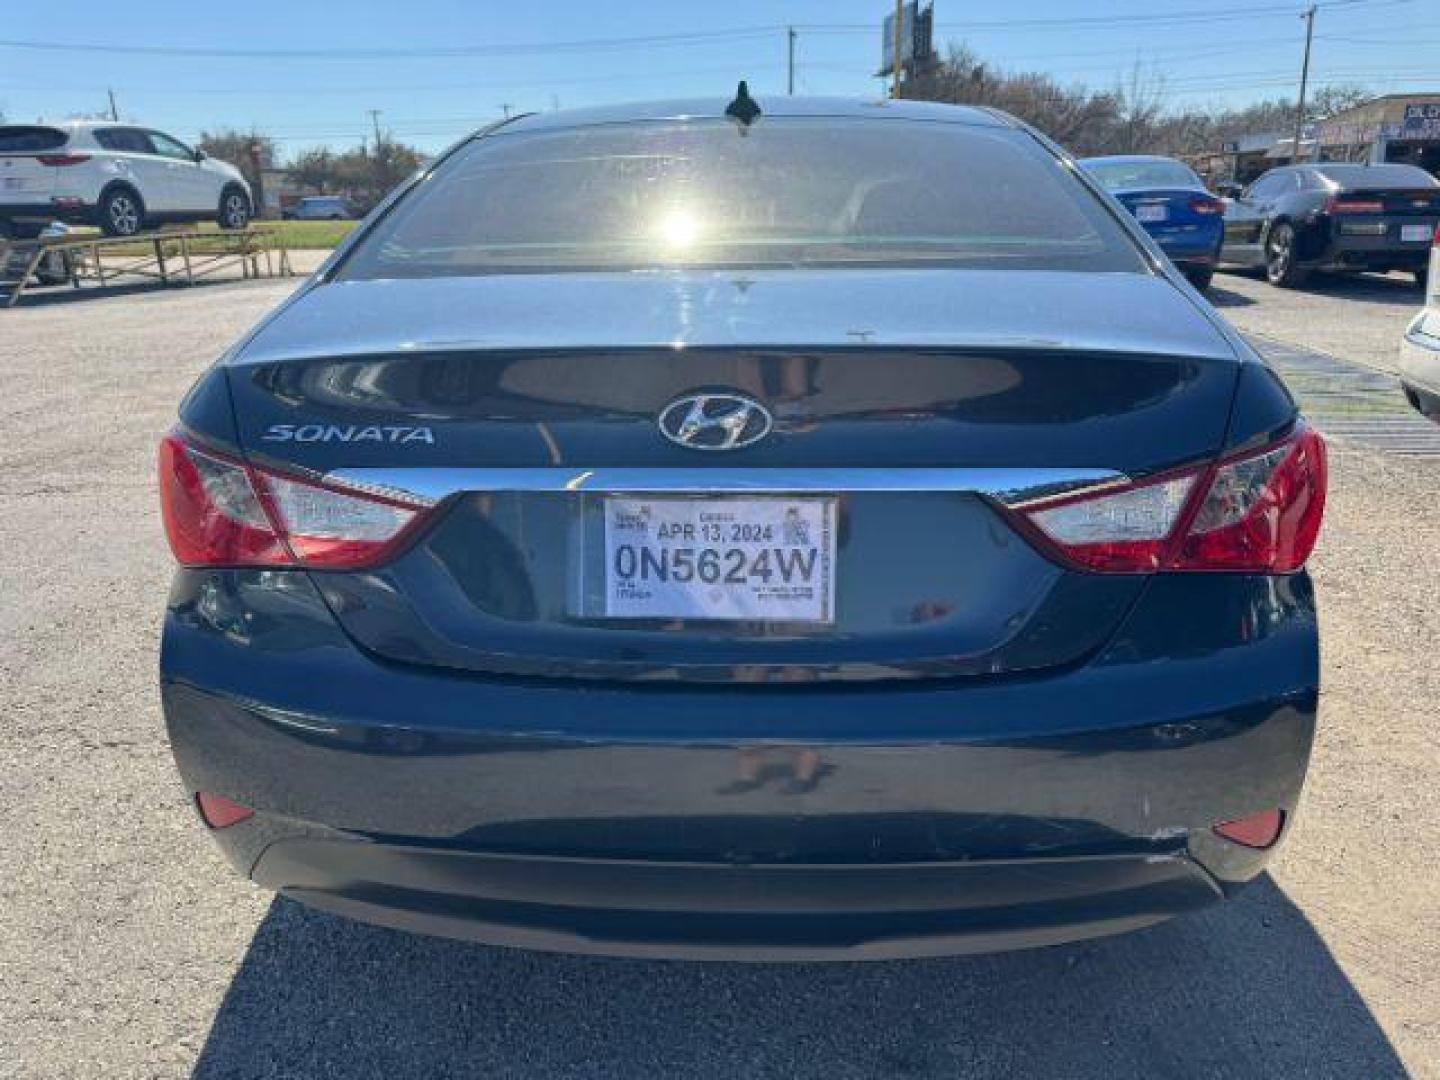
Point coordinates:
[[233, 145]]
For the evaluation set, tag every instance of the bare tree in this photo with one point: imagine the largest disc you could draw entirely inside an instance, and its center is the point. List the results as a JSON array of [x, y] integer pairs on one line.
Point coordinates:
[[1139, 105], [1134, 117]]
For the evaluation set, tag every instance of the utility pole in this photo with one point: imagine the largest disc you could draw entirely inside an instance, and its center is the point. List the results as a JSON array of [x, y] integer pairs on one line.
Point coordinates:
[[895, 46], [375, 119], [114, 113], [1309, 17], [790, 34]]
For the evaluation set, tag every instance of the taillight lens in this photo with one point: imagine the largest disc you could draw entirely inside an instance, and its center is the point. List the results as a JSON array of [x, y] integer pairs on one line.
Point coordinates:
[[212, 514], [223, 512], [325, 527], [55, 160], [1257, 513], [1261, 512], [1204, 204], [1121, 533], [1354, 206]]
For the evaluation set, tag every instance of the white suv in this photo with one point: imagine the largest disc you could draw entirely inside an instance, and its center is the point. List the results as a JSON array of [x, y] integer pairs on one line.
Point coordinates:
[[1420, 348], [118, 176]]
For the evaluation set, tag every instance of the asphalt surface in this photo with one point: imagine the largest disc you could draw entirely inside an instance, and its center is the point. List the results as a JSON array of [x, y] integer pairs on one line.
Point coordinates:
[[127, 948]]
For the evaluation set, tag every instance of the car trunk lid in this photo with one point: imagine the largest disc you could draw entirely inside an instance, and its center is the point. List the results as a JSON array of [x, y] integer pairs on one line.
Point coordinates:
[[902, 441]]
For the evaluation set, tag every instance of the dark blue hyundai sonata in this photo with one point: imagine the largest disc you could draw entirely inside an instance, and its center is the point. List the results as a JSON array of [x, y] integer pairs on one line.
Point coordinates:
[[827, 531]]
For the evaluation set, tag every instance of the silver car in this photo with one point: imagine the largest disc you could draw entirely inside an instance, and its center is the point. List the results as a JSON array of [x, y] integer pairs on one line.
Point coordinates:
[[1420, 348], [321, 208]]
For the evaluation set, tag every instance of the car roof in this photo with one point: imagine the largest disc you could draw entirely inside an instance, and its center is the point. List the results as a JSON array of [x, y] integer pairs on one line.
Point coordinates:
[[86, 125], [777, 106], [1131, 159]]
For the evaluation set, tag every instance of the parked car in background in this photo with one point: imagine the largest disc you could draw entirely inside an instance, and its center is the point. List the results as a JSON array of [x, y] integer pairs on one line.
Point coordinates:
[[1334, 216], [120, 177], [1172, 203], [1420, 348], [610, 552], [321, 208]]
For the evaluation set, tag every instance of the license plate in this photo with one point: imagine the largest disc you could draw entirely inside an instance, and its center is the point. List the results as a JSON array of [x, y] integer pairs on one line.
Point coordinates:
[[1415, 233], [770, 559], [1151, 214]]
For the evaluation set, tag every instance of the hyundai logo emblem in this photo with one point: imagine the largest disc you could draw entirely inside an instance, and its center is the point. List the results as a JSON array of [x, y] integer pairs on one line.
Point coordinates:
[[715, 420]]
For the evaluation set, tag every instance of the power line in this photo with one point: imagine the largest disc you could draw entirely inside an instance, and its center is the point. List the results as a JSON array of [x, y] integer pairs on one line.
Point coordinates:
[[581, 45], [1177, 18], [1174, 18]]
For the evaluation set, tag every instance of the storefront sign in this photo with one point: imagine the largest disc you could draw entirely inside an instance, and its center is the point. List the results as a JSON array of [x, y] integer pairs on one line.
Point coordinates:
[[1422, 121]]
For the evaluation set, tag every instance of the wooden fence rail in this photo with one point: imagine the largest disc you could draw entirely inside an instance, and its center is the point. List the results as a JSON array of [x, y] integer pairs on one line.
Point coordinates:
[[170, 256]]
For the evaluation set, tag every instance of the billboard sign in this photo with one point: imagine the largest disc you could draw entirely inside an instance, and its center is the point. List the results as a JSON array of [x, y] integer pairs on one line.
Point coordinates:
[[916, 36]]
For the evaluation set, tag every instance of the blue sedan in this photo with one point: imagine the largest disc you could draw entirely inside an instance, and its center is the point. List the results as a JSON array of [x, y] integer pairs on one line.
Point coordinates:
[[672, 530], [1171, 202]]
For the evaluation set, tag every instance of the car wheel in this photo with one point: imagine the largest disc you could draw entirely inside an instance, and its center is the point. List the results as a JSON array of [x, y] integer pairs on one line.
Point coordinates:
[[1200, 276], [1281, 258], [234, 209], [121, 212]]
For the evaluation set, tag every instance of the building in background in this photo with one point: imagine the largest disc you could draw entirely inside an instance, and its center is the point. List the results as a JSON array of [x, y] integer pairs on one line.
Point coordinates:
[[1396, 127], [1241, 160]]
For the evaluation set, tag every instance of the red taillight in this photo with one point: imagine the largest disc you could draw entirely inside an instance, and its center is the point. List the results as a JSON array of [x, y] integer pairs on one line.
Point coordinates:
[[222, 512], [1204, 204], [1255, 831], [1259, 512], [219, 812], [1342, 205], [58, 160], [212, 514]]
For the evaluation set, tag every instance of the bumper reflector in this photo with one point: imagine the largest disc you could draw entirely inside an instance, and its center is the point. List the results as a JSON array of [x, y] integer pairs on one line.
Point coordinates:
[[219, 812], [1255, 831]]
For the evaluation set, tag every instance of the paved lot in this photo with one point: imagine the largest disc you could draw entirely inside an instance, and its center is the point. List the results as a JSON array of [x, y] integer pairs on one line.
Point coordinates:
[[128, 949], [1357, 318]]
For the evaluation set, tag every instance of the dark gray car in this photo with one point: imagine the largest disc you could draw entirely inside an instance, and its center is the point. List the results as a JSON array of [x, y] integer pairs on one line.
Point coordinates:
[[1332, 216], [668, 530]]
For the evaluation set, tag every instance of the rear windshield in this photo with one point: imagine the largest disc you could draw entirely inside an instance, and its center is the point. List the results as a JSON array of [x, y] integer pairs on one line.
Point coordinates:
[[783, 192], [30, 140], [1372, 176], [1119, 175]]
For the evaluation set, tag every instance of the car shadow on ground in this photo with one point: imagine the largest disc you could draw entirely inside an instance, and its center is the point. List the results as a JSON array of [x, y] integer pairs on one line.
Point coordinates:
[[1242, 989], [1362, 288], [1222, 297], [60, 295]]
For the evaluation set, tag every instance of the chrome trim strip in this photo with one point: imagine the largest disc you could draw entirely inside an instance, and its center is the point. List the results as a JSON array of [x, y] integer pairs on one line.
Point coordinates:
[[1010, 486]]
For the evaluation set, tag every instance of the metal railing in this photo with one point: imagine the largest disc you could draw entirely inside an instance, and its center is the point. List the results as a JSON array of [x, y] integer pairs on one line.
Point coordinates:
[[169, 256]]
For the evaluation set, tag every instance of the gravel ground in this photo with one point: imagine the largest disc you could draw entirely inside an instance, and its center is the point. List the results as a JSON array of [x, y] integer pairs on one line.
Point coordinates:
[[1358, 318], [128, 949]]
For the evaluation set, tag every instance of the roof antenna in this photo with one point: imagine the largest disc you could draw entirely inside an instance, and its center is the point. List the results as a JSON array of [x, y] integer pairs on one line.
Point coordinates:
[[743, 108]]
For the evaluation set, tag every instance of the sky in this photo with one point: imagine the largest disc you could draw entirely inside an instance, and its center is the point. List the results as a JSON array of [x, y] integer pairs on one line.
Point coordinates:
[[307, 73]]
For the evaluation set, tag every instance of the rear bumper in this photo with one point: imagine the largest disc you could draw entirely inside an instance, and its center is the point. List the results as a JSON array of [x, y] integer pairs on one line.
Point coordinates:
[[709, 911], [1352, 252], [756, 822], [1191, 249]]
